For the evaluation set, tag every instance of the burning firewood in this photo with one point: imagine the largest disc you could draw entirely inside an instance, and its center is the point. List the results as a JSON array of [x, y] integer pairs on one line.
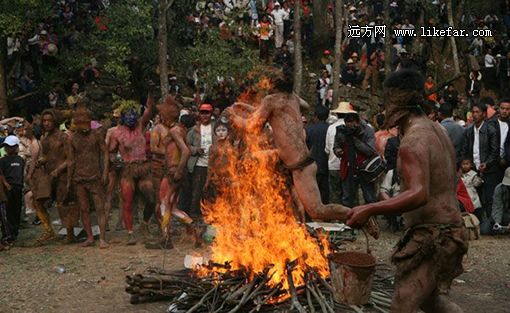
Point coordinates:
[[242, 291]]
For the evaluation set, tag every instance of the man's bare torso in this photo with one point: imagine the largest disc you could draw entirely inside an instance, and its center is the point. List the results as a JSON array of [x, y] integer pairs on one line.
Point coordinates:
[[54, 145], [426, 138], [172, 151], [131, 143], [87, 155]]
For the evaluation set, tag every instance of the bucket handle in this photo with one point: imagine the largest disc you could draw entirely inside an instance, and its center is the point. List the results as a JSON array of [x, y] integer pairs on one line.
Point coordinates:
[[366, 238]]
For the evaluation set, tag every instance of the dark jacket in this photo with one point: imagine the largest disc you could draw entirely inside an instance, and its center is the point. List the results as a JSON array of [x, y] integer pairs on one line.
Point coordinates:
[[501, 204], [316, 142], [456, 134], [476, 88], [357, 146], [494, 121], [489, 149]]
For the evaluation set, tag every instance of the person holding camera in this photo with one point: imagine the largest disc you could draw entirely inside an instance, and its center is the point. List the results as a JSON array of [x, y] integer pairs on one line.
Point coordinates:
[[355, 146]]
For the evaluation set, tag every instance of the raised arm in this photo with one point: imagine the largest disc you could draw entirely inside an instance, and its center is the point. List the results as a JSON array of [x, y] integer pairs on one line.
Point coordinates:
[[147, 114]]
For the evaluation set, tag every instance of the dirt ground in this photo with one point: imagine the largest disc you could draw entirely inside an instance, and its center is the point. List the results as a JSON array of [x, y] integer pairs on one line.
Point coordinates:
[[94, 278]]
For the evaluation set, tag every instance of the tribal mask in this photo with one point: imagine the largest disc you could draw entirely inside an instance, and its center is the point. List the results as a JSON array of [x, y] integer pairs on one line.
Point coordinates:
[[130, 119]]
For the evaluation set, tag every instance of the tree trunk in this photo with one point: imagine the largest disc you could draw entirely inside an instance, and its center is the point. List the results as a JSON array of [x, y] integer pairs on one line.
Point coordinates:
[[298, 57], [320, 26], [456, 64], [387, 39], [4, 109], [163, 48], [338, 50]]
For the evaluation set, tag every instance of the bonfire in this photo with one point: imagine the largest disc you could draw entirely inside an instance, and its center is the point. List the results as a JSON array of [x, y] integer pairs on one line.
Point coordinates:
[[262, 259]]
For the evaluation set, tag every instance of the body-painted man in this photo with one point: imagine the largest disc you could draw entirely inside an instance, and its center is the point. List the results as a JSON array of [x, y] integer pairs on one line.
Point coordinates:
[[49, 177], [429, 255], [282, 111], [129, 141], [114, 167], [87, 150], [168, 142]]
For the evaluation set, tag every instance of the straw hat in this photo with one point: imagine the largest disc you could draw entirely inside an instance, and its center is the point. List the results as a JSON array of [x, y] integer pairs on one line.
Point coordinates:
[[344, 108]]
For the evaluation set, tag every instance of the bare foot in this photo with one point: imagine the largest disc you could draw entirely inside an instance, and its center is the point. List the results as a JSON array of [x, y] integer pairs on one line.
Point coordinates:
[[87, 243], [103, 244], [45, 237]]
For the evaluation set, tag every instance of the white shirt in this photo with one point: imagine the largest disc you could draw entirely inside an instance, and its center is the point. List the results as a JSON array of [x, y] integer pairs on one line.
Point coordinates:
[[333, 160], [205, 143], [279, 15], [476, 146], [490, 61], [503, 129]]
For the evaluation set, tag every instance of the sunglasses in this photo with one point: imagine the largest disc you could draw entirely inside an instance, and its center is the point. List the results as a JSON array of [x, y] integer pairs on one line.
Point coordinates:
[[204, 112]]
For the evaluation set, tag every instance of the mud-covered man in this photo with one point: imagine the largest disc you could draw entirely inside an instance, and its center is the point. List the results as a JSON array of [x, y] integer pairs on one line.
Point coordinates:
[[429, 255], [113, 169], [129, 140], [49, 177], [282, 111], [87, 150], [169, 144]]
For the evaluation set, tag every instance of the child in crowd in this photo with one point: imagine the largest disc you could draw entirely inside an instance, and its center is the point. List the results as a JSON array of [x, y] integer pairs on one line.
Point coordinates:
[[471, 181], [11, 169]]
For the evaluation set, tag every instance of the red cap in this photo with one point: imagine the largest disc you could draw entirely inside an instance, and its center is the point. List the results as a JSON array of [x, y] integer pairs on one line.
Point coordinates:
[[205, 107], [327, 52]]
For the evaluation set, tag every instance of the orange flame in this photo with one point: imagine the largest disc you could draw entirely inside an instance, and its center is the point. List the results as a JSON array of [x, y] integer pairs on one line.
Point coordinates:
[[253, 215]]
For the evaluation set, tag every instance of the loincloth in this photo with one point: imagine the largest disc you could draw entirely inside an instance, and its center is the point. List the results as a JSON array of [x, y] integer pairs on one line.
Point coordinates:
[[443, 245], [307, 160], [45, 187], [169, 173], [136, 170]]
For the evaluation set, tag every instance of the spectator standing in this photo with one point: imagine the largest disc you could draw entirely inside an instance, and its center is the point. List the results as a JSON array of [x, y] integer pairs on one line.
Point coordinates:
[[455, 131], [279, 16], [322, 87], [335, 183], [472, 181], [316, 142], [500, 122], [481, 147], [429, 88], [451, 96], [12, 168], [265, 32], [354, 144], [473, 87], [200, 139]]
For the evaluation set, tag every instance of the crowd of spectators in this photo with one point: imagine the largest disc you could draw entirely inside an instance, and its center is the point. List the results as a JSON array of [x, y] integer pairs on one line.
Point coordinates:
[[342, 139]]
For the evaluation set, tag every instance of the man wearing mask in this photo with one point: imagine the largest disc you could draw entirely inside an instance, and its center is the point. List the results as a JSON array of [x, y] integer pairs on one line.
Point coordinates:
[[129, 141]]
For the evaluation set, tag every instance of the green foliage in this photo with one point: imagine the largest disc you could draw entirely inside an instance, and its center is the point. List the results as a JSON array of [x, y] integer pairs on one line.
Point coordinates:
[[216, 57], [17, 15]]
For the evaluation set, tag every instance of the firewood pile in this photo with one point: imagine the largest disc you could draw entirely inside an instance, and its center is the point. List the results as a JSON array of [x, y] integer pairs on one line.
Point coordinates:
[[226, 290]]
